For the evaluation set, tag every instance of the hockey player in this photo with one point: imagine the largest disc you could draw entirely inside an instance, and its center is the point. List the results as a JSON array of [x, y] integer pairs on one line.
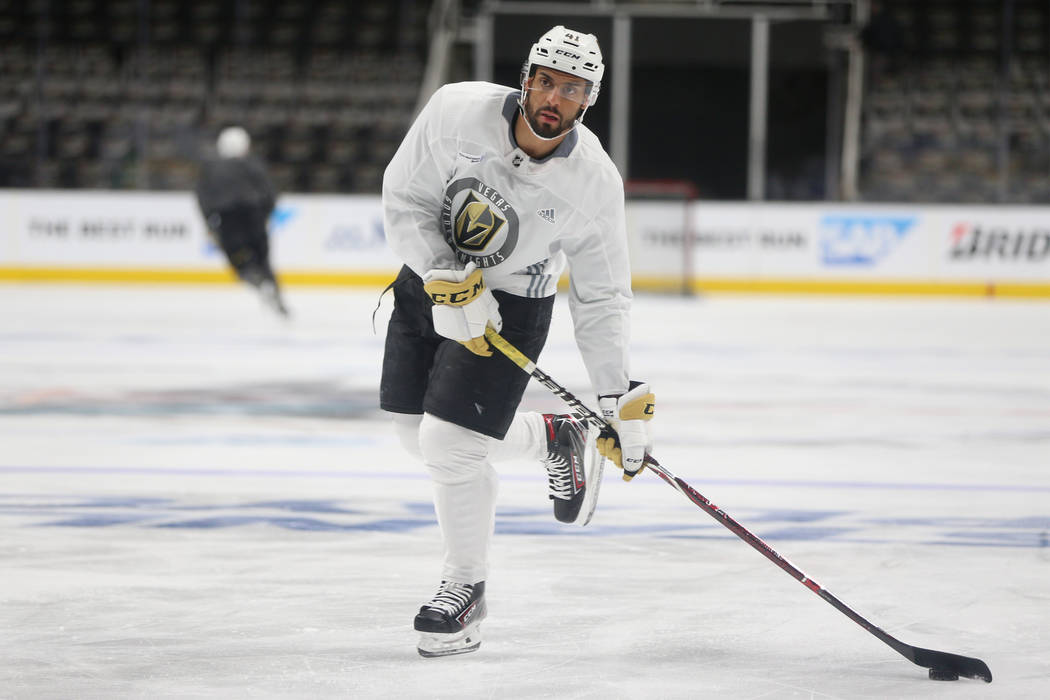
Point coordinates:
[[236, 198], [492, 192]]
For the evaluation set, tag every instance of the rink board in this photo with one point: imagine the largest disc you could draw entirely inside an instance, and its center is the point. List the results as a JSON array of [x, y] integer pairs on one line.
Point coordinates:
[[101, 236]]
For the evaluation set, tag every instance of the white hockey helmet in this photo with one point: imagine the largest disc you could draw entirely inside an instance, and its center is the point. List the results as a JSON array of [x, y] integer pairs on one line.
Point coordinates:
[[233, 142], [570, 52]]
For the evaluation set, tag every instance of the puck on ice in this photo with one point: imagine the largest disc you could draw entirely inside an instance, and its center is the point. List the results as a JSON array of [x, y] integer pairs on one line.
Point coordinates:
[[941, 674]]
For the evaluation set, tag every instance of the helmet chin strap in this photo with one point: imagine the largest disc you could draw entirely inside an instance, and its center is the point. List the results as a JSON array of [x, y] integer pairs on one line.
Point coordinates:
[[521, 109]]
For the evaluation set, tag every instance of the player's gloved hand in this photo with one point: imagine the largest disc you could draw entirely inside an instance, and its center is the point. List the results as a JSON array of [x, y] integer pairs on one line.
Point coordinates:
[[463, 307], [629, 414]]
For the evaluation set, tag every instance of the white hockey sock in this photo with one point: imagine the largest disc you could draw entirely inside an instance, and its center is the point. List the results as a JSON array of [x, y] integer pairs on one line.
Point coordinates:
[[526, 439], [466, 513], [406, 427], [464, 495]]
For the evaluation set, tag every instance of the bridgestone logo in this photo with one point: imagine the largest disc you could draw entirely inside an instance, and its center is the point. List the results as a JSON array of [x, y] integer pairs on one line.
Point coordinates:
[[977, 243]]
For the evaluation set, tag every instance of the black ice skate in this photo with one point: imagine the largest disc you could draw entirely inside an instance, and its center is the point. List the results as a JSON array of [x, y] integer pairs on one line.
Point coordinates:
[[564, 462], [450, 622], [263, 280], [271, 296]]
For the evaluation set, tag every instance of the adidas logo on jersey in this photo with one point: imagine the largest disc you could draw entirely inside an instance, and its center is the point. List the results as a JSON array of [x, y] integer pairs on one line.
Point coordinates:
[[547, 215]]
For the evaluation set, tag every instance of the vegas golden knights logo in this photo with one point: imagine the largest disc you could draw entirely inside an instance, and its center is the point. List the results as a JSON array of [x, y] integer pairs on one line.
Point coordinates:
[[476, 223]]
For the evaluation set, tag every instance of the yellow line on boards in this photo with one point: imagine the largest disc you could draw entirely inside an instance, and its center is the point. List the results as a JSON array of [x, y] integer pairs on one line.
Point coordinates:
[[849, 287], [339, 279], [189, 276], [1037, 290], [79, 274]]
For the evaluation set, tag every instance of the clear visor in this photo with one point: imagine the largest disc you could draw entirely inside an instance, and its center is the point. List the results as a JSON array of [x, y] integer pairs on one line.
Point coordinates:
[[573, 90]]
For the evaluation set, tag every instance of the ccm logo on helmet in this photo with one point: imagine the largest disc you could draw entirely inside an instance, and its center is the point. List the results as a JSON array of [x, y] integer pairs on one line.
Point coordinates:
[[574, 56]]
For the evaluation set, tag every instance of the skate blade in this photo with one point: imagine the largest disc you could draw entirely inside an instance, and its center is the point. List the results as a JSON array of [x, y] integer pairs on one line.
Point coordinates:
[[593, 466], [434, 645], [271, 299]]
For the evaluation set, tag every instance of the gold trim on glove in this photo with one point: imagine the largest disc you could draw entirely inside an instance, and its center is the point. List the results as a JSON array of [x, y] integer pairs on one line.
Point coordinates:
[[609, 448], [641, 408], [456, 293], [478, 346]]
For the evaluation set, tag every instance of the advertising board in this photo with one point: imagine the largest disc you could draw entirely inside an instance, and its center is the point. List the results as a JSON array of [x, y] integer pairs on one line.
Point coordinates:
[[339, 239]]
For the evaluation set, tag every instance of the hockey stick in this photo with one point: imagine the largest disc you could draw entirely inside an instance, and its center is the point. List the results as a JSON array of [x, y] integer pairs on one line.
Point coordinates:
[[941, 665], [584, 414]]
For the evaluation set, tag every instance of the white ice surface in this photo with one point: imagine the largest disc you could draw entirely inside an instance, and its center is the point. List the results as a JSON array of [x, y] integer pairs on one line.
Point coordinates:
[[197, 500]]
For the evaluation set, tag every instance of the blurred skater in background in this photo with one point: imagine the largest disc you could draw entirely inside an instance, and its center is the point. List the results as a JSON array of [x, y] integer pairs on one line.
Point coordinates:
[[236, 198]]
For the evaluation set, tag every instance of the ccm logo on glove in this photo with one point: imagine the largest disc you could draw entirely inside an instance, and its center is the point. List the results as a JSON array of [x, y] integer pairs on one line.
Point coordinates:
[[455, 293], [463, 307]]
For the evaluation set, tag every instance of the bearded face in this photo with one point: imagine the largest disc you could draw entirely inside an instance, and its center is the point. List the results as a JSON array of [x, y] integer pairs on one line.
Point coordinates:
[[553, 102]]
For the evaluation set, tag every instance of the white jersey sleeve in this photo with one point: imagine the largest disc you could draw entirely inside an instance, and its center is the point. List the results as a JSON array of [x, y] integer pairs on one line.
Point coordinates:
[[413, 190], [600, 292]]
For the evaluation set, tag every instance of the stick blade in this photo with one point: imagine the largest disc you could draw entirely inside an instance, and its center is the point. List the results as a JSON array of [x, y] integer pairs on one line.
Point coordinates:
[[947, 664], [593, 466]]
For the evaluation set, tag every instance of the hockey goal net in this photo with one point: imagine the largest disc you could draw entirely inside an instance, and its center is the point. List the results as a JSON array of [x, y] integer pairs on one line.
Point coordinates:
[[661, 232]]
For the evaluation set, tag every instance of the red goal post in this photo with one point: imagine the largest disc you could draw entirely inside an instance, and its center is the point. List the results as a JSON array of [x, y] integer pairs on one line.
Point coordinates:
[[680, 193]]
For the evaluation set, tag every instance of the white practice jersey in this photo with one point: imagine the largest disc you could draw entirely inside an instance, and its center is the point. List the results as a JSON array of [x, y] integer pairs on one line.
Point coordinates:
[[459, 190]]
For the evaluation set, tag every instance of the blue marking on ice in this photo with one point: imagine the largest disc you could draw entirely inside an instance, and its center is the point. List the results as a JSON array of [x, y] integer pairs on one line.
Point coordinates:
[[258, 440], [421, 507], [1011, 538], [98, 520], [301, 506], [328, 515], [421, 474], [806, 534], [795, 515], [392, 525]]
